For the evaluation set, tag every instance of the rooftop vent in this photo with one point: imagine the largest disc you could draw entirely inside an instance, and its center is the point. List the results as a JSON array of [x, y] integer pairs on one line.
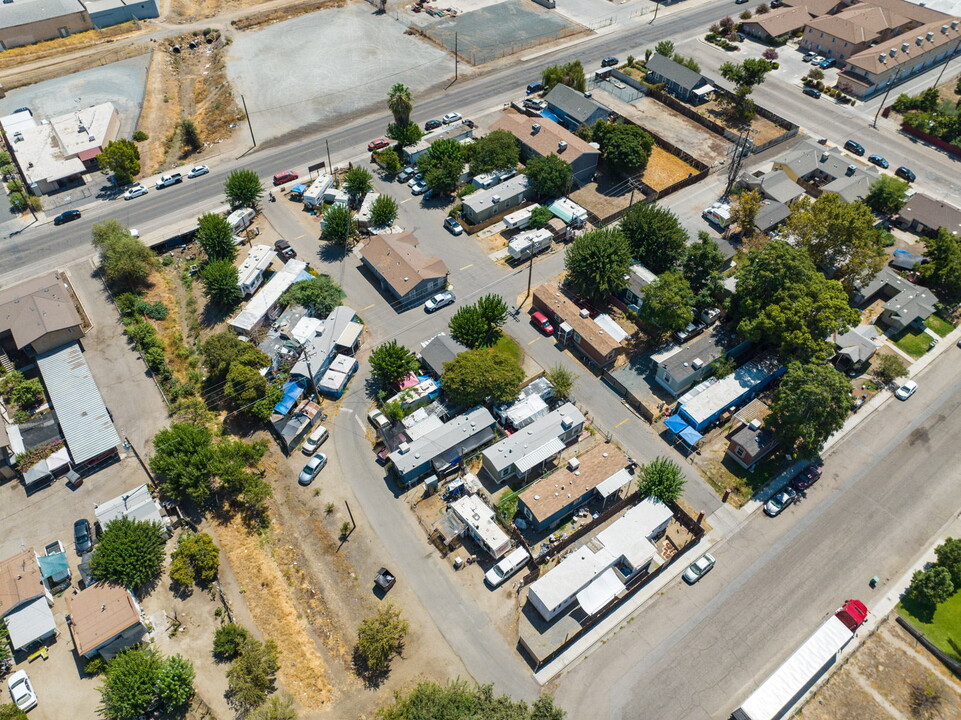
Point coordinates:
[[567, 422], [825, 155], [893, 52], [930, 36], [882, 58], [905, 46], [585, 313], [537, 497], [954, 24], [944, 29], [403, 447], [920, 41], [535, 128], [573, 464], [697, 363], [755, 424], [496, 199], [561, 146]]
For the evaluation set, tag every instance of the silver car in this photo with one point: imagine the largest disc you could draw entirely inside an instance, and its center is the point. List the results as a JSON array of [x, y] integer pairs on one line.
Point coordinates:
[[312, 469], [134, 192], [774, 506], [699, 568], [439, 300]]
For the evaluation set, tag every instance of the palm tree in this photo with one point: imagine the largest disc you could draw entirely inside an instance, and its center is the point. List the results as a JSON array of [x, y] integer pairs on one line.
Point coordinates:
[[401, 103]]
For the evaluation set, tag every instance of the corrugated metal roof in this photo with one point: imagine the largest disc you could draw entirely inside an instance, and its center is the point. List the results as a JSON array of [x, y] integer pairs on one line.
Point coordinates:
[[84, 420], [24, 12]]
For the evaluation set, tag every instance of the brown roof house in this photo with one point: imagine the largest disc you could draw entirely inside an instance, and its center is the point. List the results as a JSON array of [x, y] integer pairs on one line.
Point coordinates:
[[853, 30], [40, 314], [104, 619], [25, 600], [575, 326], [751, 443], [924, 215], [403, 270], [777, 23]]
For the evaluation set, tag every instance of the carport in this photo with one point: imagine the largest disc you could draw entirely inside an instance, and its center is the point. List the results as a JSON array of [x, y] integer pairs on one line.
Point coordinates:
[[30, 623]]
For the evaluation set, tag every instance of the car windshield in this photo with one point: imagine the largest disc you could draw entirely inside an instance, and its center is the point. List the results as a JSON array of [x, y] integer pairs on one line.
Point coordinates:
[[777, 501], [696, 568], [498, 571]]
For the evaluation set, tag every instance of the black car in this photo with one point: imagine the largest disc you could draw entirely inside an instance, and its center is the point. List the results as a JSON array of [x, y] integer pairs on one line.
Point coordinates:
[[854, 147], [284, 250], [66, 217], [535, 87], [807, 477], [812, 91], [82, 539], [432, 125], [609, 62], [905, 174]]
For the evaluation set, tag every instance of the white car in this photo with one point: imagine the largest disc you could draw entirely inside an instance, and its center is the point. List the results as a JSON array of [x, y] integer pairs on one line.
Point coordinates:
[[906, 390], [378, 419], [439, 300], [419, 189], [817, 60], [134, 191], [22, 691], [451, 118], [198, 170], [415, 179], [699, 568]]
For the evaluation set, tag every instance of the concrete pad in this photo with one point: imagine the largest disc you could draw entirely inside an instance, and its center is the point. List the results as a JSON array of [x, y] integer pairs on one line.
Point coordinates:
[[327, 64], [599, 13]]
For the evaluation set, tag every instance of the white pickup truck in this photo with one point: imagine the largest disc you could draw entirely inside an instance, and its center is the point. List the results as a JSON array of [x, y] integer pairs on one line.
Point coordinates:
[[168, 180]]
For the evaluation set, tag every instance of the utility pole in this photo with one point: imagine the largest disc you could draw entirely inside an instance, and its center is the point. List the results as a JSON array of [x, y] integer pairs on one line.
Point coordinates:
[[455, 57], [310, 370], [737, 159], [891, 84], [249, 126], [530, 273], [657, 6], [946, 61], [330, 165]]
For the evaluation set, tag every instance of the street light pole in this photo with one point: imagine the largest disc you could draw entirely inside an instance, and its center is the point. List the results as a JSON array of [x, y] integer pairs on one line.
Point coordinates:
[[891, 84], [946, 61]]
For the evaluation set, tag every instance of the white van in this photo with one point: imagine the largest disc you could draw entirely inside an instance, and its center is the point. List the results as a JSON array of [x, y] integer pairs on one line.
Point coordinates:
[[240, 219], [508, 565], [315, 440]]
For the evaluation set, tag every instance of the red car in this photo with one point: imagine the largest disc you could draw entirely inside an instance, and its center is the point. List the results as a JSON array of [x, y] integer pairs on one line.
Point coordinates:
[[285, 176], [378, 144], [542, 323], [807, 477]]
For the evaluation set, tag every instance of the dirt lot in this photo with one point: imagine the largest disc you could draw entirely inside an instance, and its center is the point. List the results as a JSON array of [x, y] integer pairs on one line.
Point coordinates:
[[764, 129], [876, 682], [664, 169]]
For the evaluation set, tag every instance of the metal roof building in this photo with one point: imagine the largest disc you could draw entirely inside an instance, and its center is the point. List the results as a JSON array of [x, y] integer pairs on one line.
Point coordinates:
[[86, 425]]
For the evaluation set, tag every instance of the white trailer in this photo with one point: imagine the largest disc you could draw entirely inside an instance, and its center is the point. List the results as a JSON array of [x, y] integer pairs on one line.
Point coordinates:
[[314, 195], [366, 207], [250, 275], [529, 243], [520, 219]]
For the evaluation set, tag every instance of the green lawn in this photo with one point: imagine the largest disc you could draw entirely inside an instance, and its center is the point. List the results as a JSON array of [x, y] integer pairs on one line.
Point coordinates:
[[941, 628], [913, 341], [941, 326], [505, 344]]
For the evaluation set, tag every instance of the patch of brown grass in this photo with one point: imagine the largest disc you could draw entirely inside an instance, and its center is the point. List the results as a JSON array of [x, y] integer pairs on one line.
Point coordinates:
[[269, 17], [664, 169], [18, 56]]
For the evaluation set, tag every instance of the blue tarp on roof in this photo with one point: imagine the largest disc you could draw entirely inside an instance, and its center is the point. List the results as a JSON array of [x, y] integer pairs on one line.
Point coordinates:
[[55, 565], [675, 424], [298, 189], [292, 393], [691, 436]]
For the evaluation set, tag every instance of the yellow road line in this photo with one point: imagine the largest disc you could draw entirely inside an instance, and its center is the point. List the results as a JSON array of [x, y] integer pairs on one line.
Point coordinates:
[[467, 266], [621, 423], [533, 341], [368, 307]]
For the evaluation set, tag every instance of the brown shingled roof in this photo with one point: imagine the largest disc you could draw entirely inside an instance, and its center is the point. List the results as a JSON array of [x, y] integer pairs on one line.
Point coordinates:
[[546, 140], [400, 263], [781, 21], [564, 308], [870, 60], [36, 307], [859, 24], [19, 580], [98, 614]]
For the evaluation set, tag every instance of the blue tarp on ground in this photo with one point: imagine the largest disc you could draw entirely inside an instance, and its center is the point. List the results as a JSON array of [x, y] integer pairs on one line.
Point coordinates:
[[292, 393], [675, 424]]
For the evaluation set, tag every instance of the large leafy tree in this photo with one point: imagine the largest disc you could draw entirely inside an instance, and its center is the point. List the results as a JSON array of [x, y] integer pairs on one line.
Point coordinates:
[[931, 586], [702, 268], [243, 189], [656, 236], [220, 281], [479, 376], [195, 560], [392, 362], [251, 675], [442, 165], [383, 211], [661, 479], [175, 683], [498, 150], [358, 180], [668, 303], [562, 379], [460, 700], [493, 310], [597, 263], [249, 392], [184, 459], [943, 271], [190, 135], [122, 158], [626, 148], [948, 554], [277, 707], [222, 350], [381, 636], [339, 225], [839, 236], [888, 368], [9, 711], [319, 295], [744, 212], [812, 402], [216, 237], [125, 261], [130, 553], [467, 327], [549, 176], [782, 299], [571, 74], [887, 195], [400, 102], [130, 683], [405, 134]]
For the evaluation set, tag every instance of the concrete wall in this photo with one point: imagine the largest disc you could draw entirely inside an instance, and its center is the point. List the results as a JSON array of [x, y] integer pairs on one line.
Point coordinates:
[[131, 11], [44, 29]]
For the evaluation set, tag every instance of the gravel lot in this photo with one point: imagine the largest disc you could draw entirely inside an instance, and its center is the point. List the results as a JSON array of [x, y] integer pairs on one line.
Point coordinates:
[[121, 83], [328, 64]]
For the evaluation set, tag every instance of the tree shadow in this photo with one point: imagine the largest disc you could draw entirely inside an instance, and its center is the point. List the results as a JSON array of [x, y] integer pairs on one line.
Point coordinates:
[[331, 252], [372, 678], [920, 611], [213, 315]]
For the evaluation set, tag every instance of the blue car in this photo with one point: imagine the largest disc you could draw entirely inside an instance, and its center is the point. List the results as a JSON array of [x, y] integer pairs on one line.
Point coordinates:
[[879, 161], [828, 63]]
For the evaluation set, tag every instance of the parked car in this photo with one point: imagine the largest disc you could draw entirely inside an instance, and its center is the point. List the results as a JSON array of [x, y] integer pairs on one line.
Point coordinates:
[[134, 191], [385, 579], [905, 174], [451, 117], [542, 323], [419, 188], [709, 315], [812, 91], [699, 568], [827, 63], [774, 506], [854, 147], [82, 540], [168, 180], [808, 57], [312, 469], [817, 60], [432, 125], [906, 390], [508, 565], [67, 216], [807, 477], [535, 87], [377, 144], [452, 226], [406, 174], [740, 2], [535, 104], [610, 61], [691, 330], [197, 171], [315, 440], [440, 300], [415, 179], [284, 250], [23, 109], [377, 419], [285, 176], [879, 161], [21, 690]]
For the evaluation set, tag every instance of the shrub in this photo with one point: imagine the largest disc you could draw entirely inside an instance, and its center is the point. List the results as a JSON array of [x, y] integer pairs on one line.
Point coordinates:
[[140, 136], [228, 640]]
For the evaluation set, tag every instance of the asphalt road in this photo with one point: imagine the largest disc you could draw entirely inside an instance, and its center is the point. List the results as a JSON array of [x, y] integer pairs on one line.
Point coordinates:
[[697, 652]]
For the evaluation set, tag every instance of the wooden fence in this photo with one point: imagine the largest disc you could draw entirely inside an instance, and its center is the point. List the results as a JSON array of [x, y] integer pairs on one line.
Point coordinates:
[[937, 142]]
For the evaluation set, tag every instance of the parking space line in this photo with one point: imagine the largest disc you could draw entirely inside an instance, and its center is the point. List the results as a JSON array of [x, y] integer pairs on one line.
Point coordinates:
[[467, 266], [359, 422], [533, 341], [621, 423], [368, 307], [299, 236]]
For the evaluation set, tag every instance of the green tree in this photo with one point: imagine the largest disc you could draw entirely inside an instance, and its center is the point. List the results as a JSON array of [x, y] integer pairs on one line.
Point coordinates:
[[562, 379], [358, 180], [540, 216], [391, 362], [195, 560], [9, 711], [190, 136], [381, 636], [661, 479], [626, 148], [493, 310], [948, 554], [887, 195], [888, 368], [390, 160], [229, 640], [245, 387], [27, 394], [479, 376], [942, 272], [498, 150], [216, 237], [129, 553], [383, 211], [460, 700], [175, 682], [405, 134], [122, 158], [571, 74], [250, 677], [702, 268], [277, 707], [665, 48], [549, 176], [839, 236], [400, 102], [597, 263], [812, 402], [339, 226], [442, 165], [656, 236], [744, 212], [243, 189], [319, 295], [183, 458], [130, 684], [931, 587], [124, 260], [220, 281], [749, 73], [222, 350], [668, 303], [467, 326]]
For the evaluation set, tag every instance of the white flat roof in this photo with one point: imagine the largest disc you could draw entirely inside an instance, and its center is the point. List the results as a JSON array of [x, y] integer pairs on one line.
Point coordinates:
[[472, 510], [258, 259], [136, 504], [269, 294], [84, 129], [600, 592], [30, 622]]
